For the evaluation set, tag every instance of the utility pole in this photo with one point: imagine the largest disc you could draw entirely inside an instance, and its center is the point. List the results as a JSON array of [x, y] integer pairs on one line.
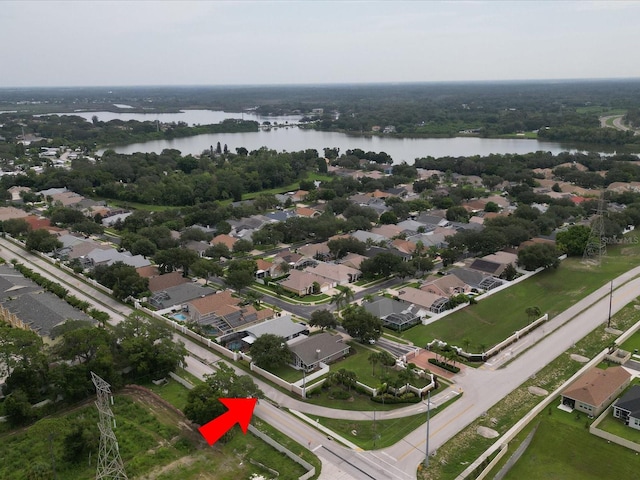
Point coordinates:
[[610, 300], [426, 454]]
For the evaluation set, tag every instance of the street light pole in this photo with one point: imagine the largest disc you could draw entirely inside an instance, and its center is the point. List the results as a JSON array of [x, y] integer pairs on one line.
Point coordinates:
[[610, 300], [426, 454]]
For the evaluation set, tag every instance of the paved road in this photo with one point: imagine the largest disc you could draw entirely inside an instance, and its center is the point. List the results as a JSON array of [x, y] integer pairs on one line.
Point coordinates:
[[617, 123]]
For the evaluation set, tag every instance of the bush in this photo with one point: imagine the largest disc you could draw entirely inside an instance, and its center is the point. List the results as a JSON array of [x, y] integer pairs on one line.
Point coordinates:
[[409, 397], [446, 366], [340, 394]]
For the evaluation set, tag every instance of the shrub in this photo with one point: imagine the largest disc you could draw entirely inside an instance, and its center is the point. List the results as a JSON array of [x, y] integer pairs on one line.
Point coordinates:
[[446, 366]]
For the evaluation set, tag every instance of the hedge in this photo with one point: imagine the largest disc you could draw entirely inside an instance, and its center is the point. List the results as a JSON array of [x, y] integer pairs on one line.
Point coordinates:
[[446, 366]]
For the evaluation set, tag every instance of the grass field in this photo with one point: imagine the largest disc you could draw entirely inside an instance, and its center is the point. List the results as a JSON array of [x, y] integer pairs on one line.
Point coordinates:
[[553, 291], [562, 447], [154, 442]]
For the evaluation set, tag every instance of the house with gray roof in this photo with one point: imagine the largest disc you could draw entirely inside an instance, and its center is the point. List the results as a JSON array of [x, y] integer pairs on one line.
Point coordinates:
[[111, 256], [627, 408], [178, 295], [394, 314], [365, 236], [283, 327], [35, 307], [309, 352], [476, 279]]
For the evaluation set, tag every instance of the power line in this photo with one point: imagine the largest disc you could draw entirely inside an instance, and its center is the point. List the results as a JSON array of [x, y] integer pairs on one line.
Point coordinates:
[[596, 246]]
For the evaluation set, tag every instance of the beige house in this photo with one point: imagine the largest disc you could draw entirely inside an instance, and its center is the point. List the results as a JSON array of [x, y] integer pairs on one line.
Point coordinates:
[[302, 283], [446, 286], [595, 390], [337, 274], [427, 301]]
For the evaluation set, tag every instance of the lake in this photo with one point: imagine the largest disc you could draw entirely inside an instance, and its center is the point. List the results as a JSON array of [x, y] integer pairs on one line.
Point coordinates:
[[293, 139]]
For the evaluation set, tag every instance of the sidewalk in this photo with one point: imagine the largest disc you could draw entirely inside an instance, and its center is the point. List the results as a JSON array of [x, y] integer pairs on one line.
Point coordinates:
[[324, 429]]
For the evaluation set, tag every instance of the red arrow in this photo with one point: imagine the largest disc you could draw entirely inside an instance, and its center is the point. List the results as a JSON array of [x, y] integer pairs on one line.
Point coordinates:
[[240, 412]]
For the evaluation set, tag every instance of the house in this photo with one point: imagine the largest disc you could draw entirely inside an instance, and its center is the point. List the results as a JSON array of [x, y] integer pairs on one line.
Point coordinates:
[[177, 296], [298, 196], [404, 246], [307, 212], [265, 268], [293, 259], [427, 301], [387, 231], [595, 390], [319, 251], [9, 213], [476, 279], [283, 327], [338, 274], [309, 352], [304, 283], [16, 191], [223, 313], [373, 251], [446, 286], [111, 220], [365, 237], [225, 239], [486, 266], [198, 247], [110, 256], [353, 260], [394, 314], [158, 283], [627, 408]]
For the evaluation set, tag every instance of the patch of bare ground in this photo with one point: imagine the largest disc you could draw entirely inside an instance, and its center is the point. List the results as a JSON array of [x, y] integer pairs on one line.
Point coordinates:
[[579, 358], [541, 392]]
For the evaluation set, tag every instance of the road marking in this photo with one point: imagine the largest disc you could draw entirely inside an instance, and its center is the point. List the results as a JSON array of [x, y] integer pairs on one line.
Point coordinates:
[[414, 447]]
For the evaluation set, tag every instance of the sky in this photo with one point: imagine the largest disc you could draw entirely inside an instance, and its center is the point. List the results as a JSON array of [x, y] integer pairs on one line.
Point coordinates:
[[112, 43]]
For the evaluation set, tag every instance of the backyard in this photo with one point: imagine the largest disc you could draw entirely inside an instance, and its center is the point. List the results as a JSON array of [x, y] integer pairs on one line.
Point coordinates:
[[562, 447], [493, 319]]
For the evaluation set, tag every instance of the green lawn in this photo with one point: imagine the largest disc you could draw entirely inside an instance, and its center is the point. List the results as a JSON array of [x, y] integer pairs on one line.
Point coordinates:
[[562, 447], [287, 373], [498, 316], [382, 433], [634, 341], [288, 296]]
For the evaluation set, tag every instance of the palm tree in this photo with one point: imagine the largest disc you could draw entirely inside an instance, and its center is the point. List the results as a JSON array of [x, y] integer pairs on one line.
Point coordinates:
[[343, 298], [368, 298], [466, 342], [374, 358]]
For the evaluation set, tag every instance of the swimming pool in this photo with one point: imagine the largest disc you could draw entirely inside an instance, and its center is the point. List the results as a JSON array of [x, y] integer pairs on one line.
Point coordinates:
[[180, 317]]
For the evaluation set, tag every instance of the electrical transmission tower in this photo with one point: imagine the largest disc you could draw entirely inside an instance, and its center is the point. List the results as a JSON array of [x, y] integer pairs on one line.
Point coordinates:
[[110, 466], [596, 246]]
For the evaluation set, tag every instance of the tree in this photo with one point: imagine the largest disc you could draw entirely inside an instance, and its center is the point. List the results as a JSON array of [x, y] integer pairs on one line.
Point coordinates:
[[323, 319], [242, 246], [342, 298], [573, 240], [123, 279], [217, 251], [373, 359], [422, 264], [18, 409], [16, 226], [341, 246], [206, 268], [148, 347], [533, 312], [509, 272], [457, 214], [381, 265], [203, 404], [240, 273], [361, 324], [388, 218], [80, 440], [270, 352], [491, 207], [42, 241], [537, 256]]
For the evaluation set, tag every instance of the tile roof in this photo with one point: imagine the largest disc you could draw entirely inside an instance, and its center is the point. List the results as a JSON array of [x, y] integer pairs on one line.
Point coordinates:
[[214, 302], [595, 386], [225, 239], [167, 280]]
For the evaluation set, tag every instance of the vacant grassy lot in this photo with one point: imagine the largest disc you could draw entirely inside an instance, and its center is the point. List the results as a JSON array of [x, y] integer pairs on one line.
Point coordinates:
[[154, 442], [562, 447], [498, 316]]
